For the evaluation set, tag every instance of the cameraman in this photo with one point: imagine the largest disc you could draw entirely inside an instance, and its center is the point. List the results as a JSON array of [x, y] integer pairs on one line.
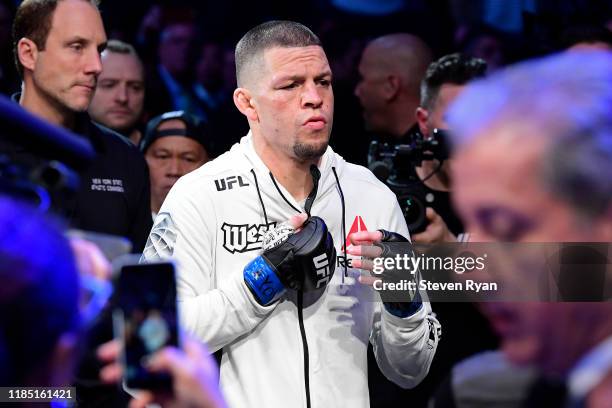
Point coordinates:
[[444, 80], [466, 331]]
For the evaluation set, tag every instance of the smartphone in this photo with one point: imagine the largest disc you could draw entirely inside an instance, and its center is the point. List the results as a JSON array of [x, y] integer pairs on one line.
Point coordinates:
[[146, 319]]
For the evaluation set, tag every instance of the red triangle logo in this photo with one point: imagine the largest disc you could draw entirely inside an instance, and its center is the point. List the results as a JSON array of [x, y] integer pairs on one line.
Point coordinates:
[[358, 225]]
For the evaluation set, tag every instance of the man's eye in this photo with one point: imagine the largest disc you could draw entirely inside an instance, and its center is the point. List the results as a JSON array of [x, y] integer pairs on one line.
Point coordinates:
[[325, 82], [506, 225], [290, 86], [76, 47]]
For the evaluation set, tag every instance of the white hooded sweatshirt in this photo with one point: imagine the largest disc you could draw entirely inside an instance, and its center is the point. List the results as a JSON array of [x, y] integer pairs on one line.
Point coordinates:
[[306, 350]]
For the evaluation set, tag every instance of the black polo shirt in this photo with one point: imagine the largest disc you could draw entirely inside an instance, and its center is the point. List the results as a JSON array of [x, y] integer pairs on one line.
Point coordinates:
[[113, 196]]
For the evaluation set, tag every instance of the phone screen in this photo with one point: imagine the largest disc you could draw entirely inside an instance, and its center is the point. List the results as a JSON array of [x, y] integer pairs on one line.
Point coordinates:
[[147, 298]]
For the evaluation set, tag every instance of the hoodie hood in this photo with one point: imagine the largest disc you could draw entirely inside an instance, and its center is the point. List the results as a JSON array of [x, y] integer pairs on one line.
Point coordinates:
[[272, 190]]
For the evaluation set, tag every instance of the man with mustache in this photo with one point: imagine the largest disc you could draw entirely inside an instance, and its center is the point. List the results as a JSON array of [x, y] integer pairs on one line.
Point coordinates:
[[291, 336], [57, 46]]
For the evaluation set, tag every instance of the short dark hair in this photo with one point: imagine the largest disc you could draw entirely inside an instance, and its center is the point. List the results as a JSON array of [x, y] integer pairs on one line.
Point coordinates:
[[565, 100], [456, 69], [39, 295], [33, 20], [276, 33], [120, 47], [195, 128]]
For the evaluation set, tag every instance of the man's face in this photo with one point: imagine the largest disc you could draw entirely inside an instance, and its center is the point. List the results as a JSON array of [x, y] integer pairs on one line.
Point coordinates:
[[210, 65], [175, 48], [171, 157], [65, 72], [369, 91], [119, 98], [294, 102], [500, 197]]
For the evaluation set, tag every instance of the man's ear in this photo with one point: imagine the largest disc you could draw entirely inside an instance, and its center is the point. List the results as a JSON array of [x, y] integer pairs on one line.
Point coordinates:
[[27, 52], [392, 87], [604, 226], [422, 115], [244, 102]]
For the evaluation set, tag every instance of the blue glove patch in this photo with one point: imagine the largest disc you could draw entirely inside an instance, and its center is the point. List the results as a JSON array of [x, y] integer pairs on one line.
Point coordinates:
[[263, 281]]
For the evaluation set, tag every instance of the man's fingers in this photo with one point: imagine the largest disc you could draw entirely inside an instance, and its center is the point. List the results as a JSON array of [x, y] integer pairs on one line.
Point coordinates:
[[298, 220], [367, 280], [109, 351], [168, 359], [368, 251], [365, 237], [198, 353], [90, 259], [430, 214], [421, 237], [144, 398], [194, 349], [365, 264], [111, 374]]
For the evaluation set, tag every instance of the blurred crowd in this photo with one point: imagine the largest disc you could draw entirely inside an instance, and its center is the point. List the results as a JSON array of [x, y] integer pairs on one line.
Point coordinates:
[[180, 55]]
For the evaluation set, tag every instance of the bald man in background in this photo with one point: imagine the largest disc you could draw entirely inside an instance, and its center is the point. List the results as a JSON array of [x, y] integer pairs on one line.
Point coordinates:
[[391, 70]]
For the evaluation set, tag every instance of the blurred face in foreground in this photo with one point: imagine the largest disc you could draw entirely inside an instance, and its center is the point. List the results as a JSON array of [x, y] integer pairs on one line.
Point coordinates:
[[500, 196]]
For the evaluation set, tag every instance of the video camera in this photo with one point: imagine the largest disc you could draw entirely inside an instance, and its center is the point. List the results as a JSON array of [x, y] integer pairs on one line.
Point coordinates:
[[394, 165]]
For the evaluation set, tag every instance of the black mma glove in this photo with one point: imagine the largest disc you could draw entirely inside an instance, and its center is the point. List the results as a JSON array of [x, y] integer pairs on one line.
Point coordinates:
[[412, 305], [303, 260]]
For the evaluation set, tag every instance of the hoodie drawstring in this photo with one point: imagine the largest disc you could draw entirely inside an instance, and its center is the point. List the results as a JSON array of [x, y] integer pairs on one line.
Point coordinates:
[[263, 207], [343, 222], [281, 193], [316, 175]]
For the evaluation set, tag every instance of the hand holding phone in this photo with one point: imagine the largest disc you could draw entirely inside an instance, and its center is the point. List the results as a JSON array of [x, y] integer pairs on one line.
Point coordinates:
[[193, 370], [146, 321]]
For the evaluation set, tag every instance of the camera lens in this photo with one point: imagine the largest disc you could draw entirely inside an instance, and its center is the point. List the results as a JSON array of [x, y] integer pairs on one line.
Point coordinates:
[[414, 212]]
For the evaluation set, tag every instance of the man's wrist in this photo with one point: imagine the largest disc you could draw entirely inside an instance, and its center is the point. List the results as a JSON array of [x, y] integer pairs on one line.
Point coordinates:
[[262, 281], [405, 309]]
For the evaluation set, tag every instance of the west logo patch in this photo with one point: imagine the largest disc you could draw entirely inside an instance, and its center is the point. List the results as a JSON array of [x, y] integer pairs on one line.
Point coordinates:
[[244, 237]]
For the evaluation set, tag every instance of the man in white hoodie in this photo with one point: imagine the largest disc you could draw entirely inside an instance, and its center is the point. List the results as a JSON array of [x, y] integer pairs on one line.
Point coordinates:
[[301, 349]]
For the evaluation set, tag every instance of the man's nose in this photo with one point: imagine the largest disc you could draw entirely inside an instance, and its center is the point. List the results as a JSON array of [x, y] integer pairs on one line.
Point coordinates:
[[175, 168], [94, 63], [311, 95], [121, 93]]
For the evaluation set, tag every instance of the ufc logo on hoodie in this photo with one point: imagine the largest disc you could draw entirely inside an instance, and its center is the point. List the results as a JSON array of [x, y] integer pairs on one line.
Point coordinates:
[[228, 183], [321, 264], [244, 237]]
